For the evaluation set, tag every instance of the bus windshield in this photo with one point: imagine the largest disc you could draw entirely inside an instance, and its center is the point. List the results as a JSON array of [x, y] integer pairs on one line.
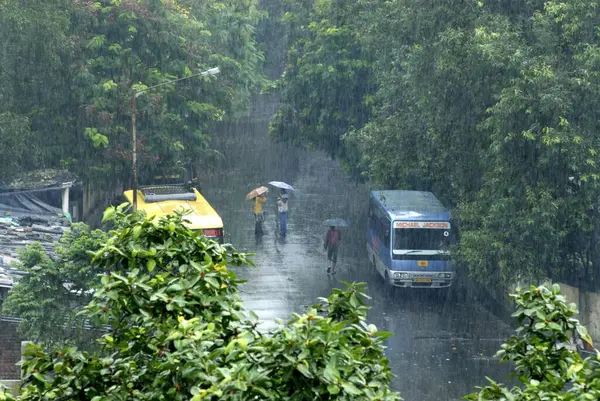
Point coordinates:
[[420, 238]]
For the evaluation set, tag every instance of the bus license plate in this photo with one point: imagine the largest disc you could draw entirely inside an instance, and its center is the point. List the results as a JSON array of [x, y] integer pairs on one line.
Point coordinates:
[[422, 280], [422, 263]]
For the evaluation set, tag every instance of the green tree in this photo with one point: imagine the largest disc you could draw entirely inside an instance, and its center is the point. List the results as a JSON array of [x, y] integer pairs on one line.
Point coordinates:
[[71, 67], [537, 212], [34, 37], [547, 366], [434, 85], [327, 82], [132, 45], [18, 149], [272, 35], [55, 288], [176, 328], [493, 106]]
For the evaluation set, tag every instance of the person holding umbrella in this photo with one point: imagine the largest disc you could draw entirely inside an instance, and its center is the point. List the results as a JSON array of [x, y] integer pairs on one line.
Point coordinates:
[[259, 196], [259, 202], [282, 208], [331, 243], [282, 203]]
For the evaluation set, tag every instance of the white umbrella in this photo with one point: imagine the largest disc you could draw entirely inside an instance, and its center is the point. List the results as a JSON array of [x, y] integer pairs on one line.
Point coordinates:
[[282, 185]]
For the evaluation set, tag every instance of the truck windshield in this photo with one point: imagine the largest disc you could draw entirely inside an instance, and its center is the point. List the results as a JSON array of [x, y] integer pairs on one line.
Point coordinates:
[[421, 239]]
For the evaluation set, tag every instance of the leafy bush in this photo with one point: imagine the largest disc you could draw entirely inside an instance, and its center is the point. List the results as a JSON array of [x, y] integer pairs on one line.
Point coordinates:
[[547, 364], [47, 308], [18, 149], [5, 395], [176, 329]]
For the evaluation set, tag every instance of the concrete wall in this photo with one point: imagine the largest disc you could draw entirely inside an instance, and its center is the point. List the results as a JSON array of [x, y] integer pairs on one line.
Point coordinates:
[[10, 350], [588, 304]]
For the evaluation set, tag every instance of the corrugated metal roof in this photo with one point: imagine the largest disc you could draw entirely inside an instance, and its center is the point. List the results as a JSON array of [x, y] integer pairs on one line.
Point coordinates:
[[5, 280], [37, 179], [17, 233]]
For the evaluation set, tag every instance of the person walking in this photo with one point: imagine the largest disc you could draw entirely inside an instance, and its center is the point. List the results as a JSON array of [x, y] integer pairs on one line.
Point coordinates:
[[282, 208], [259, 202], [331, 243]]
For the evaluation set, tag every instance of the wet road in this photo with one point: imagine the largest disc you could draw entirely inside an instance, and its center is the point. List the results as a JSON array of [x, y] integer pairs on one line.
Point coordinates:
[[440, 350]]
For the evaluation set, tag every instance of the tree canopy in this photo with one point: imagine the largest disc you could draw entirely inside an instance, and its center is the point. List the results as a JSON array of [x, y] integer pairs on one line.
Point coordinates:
[[68, 70], [327, 82]]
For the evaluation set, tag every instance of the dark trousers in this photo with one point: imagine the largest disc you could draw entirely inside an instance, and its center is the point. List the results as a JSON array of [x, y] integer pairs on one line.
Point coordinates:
[[283, 222], [258, 227]]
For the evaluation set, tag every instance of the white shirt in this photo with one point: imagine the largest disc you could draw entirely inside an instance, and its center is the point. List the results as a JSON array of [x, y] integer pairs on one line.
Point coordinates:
[[282, 206]]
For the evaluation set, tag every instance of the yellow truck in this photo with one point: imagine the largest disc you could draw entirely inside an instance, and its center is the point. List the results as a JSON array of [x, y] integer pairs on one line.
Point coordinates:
[[161, 200]]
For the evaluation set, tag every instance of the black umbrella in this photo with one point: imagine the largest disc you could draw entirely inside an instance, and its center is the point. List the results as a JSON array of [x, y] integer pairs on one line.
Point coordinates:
[[336, 223]]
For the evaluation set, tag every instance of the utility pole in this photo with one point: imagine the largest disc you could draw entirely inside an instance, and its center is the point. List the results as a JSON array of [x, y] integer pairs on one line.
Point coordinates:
[[134, 148], [134, 95]]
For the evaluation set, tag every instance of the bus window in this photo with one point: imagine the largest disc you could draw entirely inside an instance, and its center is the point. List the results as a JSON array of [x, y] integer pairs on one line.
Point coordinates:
[[421, 239]]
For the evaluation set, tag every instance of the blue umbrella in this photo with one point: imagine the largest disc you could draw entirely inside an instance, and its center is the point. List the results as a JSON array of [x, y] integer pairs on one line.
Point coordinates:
[[336, 223], [283, 185]]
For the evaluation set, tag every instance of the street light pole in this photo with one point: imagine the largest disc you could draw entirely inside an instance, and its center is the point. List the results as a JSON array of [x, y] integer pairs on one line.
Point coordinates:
[[134, 149], [134, 95]]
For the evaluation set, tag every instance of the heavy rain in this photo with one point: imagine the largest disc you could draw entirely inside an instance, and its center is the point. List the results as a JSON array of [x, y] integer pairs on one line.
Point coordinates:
[[299, 200], [447, 345]]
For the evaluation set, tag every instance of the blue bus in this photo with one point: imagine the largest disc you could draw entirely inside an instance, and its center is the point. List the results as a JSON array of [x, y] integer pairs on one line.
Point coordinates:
[[408, 237]]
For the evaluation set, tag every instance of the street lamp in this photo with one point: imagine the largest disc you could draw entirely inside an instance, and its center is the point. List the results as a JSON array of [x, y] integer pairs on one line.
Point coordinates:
[[134, 95]]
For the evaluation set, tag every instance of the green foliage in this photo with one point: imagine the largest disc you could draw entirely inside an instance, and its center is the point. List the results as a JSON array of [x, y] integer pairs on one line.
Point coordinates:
[[5, 395], [327, 78], [433, 88], [33, 62], [331, 352], [176, 329], [16, 148], [537, 207], [70, 67], [56, 288], [492, 105], [548, 367]]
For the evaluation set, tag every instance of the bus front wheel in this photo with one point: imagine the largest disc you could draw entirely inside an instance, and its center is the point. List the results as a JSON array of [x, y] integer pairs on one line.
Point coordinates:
[[389, 288]]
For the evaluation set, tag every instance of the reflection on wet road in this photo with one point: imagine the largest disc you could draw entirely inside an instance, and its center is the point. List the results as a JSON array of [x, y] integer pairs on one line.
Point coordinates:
[[440, 350]]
